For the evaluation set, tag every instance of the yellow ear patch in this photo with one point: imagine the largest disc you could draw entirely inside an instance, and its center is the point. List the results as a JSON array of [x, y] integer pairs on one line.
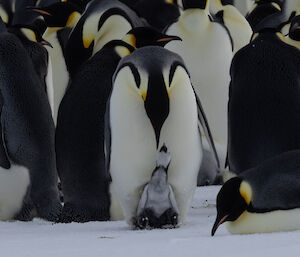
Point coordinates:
[[130, 39], [29, 34], [144, 95], [122, 51], [246, 192], [72, 20], [277, 6]]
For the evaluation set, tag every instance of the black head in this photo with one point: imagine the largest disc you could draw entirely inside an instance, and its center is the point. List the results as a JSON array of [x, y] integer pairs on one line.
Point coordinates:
[[232, 201], [278, 2], [59, 14], [190, 4], [294, 32], [227, 2], [81, 3], [145, 36], [29, 32]]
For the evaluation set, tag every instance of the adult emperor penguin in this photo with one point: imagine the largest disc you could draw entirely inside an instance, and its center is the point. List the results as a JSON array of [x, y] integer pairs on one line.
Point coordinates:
[[168, 12], [6, 11], [293, 37], [207, 50], [158, 206], [152, 103], [101, 22], [262, 199], [263, 107], [80, 130], [60, 19], [262, 9], [234, 21], [29, 35], [27, 139]]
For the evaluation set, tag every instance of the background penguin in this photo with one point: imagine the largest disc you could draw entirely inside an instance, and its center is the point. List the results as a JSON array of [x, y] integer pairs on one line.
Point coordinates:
[[6, 11], [60, 19], [262, 199], [243, 6], [293, 38], [158, 13], [29, 35], [263, 108], [261, 10], [27, 129], [80, 129], [207, 51], [234, 21], [152, 103], [101, 22], [158, 206]]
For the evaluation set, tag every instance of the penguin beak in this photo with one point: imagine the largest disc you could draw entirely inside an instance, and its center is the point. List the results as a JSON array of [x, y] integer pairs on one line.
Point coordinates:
[[38, 10], [218, 222], [167, 39], [46, 43]]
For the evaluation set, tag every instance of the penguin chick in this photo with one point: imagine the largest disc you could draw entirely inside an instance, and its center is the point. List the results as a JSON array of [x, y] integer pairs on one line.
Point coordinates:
[[158, 198], [263, 199]]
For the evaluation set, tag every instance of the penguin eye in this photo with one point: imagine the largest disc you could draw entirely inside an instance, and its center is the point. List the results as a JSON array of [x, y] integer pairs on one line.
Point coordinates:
[[135, 73]]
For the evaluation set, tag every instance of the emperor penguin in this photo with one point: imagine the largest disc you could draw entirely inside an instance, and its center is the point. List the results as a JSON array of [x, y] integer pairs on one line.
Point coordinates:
[[234, 21], [263, 106], [29, 36], [152, 103], [28, 173], [293, 37], [206, 49], [262, 199], [157, 207], [158, 13], [60, 19], [261, 10], [6, 11], [80, 130], [101, 22]]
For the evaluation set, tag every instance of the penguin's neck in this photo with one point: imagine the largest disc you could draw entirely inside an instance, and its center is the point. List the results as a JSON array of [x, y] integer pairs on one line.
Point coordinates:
[[195, 20], [216, 6], [50, 31], [120, 47]]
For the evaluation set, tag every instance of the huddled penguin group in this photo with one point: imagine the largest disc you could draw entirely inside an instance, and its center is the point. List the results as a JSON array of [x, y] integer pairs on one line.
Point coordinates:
[[120, 108]]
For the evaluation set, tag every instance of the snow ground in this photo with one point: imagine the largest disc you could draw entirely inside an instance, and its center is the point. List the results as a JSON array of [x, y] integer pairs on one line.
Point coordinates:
[[115, 239]]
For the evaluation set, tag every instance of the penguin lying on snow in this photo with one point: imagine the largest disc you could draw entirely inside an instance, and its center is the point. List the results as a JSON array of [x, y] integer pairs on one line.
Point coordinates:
[[152, 102], [27, 139], [80, 129], [263, 199], [158, 207]]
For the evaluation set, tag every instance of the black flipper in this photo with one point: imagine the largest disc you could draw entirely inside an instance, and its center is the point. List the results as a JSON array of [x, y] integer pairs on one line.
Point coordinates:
[[204, 123], [4, 161], [107, 139]]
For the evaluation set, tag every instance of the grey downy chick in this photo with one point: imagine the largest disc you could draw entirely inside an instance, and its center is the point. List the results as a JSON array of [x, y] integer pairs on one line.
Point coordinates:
[[157, 207]]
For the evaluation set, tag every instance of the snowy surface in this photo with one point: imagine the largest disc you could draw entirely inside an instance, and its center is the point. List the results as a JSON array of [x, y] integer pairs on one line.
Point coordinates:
[[115, 239]]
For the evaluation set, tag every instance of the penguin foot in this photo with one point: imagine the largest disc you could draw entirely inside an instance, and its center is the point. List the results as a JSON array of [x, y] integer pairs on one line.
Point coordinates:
[[147, 219], [51, 211], [83, 213]]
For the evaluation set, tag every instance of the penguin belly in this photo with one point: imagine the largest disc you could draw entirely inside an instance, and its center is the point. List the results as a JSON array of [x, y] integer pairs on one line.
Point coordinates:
[[180, 133], [268, 222], [14, 184], [209, 66], [133, 148], [60, 75]]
